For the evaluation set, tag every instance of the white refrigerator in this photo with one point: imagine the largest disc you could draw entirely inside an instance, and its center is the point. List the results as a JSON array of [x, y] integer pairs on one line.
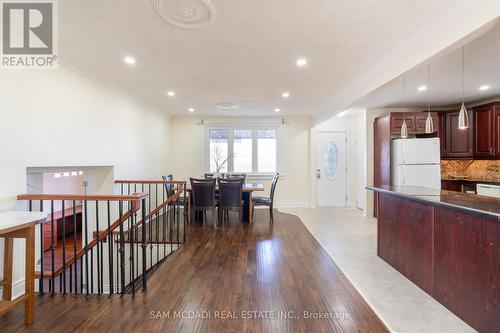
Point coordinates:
[[416, 162]]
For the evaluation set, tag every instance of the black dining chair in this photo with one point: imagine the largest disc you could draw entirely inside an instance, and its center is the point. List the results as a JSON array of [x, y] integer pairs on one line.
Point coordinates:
[[267, 201], [233, 176], [170, 190], [230, 198], [203, 197]]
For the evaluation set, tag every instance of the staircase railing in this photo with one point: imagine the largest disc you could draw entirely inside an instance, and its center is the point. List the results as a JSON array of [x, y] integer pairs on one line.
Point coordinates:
[[76, 256], [99, 243], [163, 225]]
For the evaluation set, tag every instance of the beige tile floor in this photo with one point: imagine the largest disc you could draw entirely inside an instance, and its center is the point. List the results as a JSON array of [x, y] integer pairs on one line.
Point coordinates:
[[350, 239]]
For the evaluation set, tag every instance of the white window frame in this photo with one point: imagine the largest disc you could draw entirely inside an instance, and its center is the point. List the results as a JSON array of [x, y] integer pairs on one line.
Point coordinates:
[[254, 128]]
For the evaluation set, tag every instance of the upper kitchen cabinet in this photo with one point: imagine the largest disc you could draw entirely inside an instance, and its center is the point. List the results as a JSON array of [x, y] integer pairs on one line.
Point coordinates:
[[459, 142], [442, 133], [487, 131], [397, 119], [415, 121], [421, 119]]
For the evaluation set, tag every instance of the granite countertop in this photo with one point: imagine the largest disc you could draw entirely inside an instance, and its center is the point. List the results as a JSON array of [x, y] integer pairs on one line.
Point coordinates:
[[472, 203], [495, 181]]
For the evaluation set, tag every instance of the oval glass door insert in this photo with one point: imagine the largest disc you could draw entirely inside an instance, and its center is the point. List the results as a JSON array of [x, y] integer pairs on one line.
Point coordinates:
[[330, 160]]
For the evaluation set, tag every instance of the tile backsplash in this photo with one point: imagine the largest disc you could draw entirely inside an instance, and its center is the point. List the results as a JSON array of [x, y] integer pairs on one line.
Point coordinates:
[[477, 169]]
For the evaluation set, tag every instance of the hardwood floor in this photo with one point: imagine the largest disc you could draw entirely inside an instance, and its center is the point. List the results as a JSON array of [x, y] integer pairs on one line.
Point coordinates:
[[251, 270]]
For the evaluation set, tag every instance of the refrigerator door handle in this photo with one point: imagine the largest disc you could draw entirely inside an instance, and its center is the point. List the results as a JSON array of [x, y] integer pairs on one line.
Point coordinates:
[[403, 153], [403, 174]]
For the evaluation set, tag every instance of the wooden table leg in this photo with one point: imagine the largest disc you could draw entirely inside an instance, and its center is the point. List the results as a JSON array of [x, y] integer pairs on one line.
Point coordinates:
[[250, 207], [29, 307], [7, 269], [189, 207]]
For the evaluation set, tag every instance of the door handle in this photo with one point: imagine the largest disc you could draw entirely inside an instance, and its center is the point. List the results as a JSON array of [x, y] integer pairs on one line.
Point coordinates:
[[318, 174]]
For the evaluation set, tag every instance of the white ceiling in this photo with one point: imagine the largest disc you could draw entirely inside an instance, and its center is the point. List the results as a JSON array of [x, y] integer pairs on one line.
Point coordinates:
[[482, 67], [246, 56]]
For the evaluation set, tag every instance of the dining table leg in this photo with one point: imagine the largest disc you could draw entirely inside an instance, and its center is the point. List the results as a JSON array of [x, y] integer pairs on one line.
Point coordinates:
[[189, 207], [250, 207], [7, 269]]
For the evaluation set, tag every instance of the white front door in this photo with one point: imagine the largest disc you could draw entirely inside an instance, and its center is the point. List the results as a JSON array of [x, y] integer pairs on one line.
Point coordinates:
[[331, 170]]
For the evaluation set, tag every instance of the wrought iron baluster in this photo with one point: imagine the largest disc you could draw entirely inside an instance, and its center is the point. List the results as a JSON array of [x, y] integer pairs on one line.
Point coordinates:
[[52, 248], [64, 245], [110, 250], [40, 281], [144, 244], [99, 282], [86, 247], [122, 249]]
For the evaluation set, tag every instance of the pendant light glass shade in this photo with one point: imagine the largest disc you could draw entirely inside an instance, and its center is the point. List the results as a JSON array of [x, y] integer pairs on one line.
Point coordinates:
[[463, 115], [463, 118], [404, 129], [429, 124]]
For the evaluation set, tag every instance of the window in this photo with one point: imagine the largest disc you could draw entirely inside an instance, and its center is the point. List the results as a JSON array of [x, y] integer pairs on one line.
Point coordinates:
[[266, 143], [218, 150], [242, 149]]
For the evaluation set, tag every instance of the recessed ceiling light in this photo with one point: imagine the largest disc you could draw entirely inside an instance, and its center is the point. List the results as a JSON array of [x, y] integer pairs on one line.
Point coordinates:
[[171, 93], [301, 62], [277, 110], [286, 94], [422, 88], [485, 87], [129, 60], [191, 110]]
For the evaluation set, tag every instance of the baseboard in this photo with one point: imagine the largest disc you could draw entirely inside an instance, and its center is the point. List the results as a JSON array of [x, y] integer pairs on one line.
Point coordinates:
[[292, 205], [17, 289]]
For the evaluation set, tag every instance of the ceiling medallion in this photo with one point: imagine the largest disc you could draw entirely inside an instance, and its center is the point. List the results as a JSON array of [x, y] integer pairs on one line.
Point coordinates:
[[188, 14], [227, 106]]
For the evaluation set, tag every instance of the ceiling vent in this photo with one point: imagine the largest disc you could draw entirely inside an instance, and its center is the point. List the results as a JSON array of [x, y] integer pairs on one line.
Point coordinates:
[[188, 14], [227, 106]]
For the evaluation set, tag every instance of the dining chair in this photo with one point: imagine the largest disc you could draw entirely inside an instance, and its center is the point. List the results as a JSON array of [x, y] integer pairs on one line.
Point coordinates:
[[267, 201], [170, 190], [230, 198], [237, 176], [203, 197], [209, 175]]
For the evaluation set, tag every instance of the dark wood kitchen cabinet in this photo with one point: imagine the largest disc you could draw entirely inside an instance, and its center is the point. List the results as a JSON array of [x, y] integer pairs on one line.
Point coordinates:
[[459, 142], [486, 131], [442, 133], [397, 121], [415, 121], [421, 119]]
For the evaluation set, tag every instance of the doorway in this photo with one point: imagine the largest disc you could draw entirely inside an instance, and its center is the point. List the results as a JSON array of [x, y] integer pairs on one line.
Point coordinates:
[[331, 169]]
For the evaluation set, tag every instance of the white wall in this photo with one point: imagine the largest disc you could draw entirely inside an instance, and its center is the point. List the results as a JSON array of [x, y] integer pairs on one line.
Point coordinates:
[[63, 118], [188, 138], [352, 124]]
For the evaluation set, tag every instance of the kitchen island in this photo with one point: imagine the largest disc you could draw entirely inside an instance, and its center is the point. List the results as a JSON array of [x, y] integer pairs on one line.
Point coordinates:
[[448, 244]]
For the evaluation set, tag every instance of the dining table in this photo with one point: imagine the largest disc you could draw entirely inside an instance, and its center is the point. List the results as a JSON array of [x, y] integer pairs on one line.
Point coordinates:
[[247, 193]]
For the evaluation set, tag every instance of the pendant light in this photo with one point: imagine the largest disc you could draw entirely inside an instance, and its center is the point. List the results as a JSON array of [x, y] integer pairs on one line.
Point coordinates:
[[429, 124], [463, 115], [404, 127]]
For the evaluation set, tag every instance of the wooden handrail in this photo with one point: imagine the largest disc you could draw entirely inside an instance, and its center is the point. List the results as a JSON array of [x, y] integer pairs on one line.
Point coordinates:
[[78, 197], [164, 182]]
